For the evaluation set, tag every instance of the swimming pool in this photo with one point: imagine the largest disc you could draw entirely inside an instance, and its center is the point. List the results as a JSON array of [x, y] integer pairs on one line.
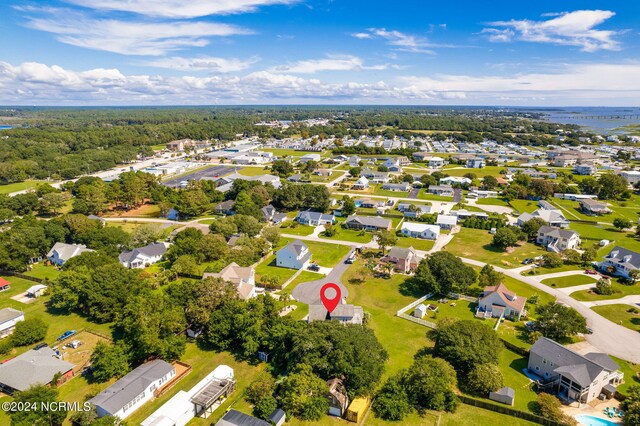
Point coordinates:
[[594, 421]]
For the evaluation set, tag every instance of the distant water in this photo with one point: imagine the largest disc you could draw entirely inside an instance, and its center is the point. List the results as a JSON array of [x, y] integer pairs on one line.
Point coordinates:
[[597, 119], [4, 127]]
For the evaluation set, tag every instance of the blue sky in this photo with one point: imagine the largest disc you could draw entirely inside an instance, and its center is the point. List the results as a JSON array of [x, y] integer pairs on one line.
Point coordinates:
[[154, 52]]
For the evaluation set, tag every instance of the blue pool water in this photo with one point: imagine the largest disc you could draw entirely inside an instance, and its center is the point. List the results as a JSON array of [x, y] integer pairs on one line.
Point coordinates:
[[594, 421]]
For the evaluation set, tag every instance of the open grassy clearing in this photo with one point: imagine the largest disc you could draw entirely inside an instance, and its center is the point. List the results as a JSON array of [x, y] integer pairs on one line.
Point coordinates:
[[569, 281], [492, 202], [524, 206], [325, 254], [416, 243], [620, 289], [19, 186], [620, 314], [594, 233], [480, 173], [424, 195], [476, 244], [268, 268], [354, 235], [254, 171], [294, 228]]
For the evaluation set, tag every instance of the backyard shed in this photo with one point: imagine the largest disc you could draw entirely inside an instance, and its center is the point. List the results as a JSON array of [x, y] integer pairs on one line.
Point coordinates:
[[505, 395], [357, 409]]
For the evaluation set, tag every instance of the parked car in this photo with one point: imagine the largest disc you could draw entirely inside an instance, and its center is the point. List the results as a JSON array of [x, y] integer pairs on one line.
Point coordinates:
[[591, 272], [589, 330], [40, 346], [314, 267], [66, 334], [527, 261]]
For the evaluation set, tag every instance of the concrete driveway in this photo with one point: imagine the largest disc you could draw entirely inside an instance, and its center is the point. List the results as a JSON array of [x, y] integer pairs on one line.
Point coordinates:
[[309, 292]]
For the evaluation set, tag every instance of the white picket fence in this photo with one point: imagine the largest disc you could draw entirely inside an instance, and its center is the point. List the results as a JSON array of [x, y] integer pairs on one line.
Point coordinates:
[[401, 312]]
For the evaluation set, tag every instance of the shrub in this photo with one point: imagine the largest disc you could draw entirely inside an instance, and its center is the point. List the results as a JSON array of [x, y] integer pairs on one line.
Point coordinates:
[[552, 260], [484, 378], [604, 287], [29, 331]]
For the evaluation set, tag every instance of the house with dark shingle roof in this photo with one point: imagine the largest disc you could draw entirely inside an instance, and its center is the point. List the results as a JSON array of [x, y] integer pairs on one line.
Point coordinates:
[[307, 217], [594, 207], [556, 240], [142, 257], [295, 255], [575, 377], [497, 301], [620, 262], [368, 223], [130, 392]]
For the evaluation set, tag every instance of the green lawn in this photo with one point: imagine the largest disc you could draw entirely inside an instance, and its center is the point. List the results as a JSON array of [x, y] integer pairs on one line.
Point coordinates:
[[305, 276], [354, 235], [480, 173], [332, 176], [268, 267], [467, 415], [19, 186], [620, 315], [524, 289], [492, 202], [621, 290], [511, 365], [476, 244], [326, 254], [570, 281], [254, 171], [416, 243], [524, 206], [40, 270], [377, 190], [592, 234], [424, 195], [281, 152], [630, 374], [288, 227]]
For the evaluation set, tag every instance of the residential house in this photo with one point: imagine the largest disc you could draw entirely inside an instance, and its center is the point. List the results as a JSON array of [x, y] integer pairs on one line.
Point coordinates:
[[344, 313], [393, 165], [61, 252], [34, 367], [361, 183], [307, 217], [565, 160], [243, 279], [405, 259], [295, 255], [417, 210], [593, 207], [142, 257], [479, 193], [236, 418], [134, 389], [368, 223], [398, 187], [442, 190], [297, 178], [452, 180], [323, 172], [310, 157], [475, 163], [368, 203], [620, 262], [421, 156], [9, 317], [575, 377], [498, 301], [556, 239], [201, 400], [338, 399], [464, 214], [553, 217], [436, 162], [376, 177], [354, 161], [225, 208], [445, 221], [585, 169], [420, 230], [632, 176]]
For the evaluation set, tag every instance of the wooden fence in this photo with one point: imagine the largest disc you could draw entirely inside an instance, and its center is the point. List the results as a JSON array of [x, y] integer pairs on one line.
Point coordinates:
[[23, 276], [504, 409]]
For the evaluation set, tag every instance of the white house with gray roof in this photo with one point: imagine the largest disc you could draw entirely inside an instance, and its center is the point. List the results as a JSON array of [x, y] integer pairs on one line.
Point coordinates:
[[61, 252], [295, 255], [368, 223], [620, 262], [130, 392], [556, 240], [307, 217], [345, 313], [142, 257], [573, 376], [9, 317], [34, 367]]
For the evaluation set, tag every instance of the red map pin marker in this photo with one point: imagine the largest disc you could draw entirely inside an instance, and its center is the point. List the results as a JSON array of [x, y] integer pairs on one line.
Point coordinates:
[[329, 300]]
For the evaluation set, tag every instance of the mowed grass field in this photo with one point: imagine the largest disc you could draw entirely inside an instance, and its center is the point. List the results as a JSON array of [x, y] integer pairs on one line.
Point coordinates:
[[570, 281], [19, 186], [476, 244], [620, 314]]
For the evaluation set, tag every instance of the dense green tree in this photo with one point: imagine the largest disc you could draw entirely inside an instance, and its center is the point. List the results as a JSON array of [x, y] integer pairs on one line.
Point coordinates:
[[489, 182], [282, 168], [37, 394], [109, 361], [29, 331], [488, 276], [505, 238], [450, 273], [484, 378], [348, 205], [466, 344], [392, 402], [622, 223], [552, 260], [430, 383], [612, 186], [302, 394], [558, 322], [532, 226], [550, 407], [246, 206], [271, 234], [604, 287], [386, 239]]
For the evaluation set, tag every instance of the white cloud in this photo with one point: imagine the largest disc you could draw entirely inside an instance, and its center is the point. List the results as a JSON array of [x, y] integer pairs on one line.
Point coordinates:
[[179, 8], [205, 63], [401, 40], [127, 37], [575, 28], [331, 63], [362, 35], [576, 84]]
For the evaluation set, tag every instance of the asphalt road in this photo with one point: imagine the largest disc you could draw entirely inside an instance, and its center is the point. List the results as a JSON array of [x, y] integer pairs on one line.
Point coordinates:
[[457, 195], [414, 193], [209, 172], [309, 292]]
